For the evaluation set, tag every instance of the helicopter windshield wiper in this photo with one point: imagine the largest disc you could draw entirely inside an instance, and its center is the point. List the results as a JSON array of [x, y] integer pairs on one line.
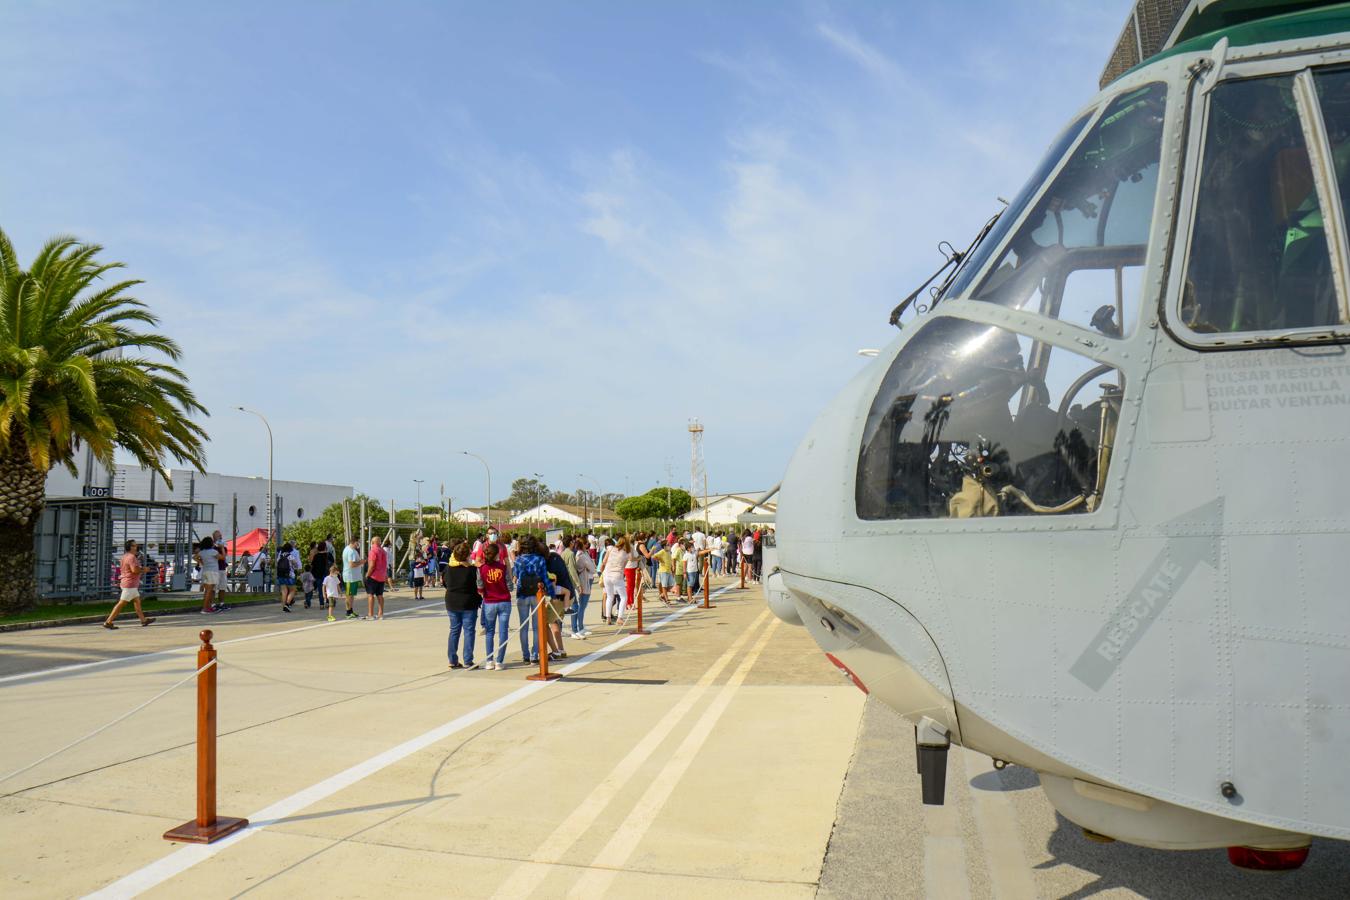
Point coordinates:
[[954, 259]]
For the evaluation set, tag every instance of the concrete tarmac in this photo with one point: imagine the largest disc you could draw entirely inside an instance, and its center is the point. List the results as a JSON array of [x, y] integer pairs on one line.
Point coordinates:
[[721, 756]]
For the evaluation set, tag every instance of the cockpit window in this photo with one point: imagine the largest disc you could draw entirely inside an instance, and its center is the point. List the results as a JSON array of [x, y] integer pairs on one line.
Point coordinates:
[[972, 266], [974, 421], [1259, 256], [1080, 253]]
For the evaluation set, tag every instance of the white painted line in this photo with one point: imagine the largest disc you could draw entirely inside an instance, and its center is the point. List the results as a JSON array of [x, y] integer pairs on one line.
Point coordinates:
[[596, 881], [62, 671], [529, 875], [186, 857], [944, 853], [1009, 871]]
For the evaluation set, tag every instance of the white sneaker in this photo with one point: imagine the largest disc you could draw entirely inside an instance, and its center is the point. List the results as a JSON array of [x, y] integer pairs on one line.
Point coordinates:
[[499, 666], [586, 632], [489, 665]]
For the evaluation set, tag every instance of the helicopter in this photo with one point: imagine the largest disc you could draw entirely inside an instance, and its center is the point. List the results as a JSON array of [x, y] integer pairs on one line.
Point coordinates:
[[1085, 513]]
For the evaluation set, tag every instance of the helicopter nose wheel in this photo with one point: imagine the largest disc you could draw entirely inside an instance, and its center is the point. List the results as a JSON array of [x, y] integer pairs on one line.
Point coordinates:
[[931, 743]]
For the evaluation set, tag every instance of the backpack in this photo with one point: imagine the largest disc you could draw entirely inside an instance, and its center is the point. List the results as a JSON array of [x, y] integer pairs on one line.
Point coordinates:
[[528, 585], [284, 566]]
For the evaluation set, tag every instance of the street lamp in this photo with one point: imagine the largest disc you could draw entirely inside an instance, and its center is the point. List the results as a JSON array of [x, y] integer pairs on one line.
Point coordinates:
[[487, 469], [599, 492], [418, 482], [271, 501]]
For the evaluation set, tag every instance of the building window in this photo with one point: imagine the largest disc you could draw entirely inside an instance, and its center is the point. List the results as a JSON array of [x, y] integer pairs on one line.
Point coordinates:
[[253, 510], [203, 512], [299, 512]]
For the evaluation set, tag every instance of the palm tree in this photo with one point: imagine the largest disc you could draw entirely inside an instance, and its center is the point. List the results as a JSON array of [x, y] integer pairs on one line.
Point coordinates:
[[71, 373]]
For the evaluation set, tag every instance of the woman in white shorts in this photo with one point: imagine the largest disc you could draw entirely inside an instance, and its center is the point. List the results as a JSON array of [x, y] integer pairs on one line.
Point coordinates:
[[208, 557]]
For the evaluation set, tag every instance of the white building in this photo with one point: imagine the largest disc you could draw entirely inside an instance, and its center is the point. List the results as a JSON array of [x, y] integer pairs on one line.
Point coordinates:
[[724, 508], [469, 515], [552, 513], [227, 502]]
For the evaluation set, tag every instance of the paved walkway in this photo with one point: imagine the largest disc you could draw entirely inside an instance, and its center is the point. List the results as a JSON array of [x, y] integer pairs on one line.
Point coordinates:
[[704, 760], [719, 757]]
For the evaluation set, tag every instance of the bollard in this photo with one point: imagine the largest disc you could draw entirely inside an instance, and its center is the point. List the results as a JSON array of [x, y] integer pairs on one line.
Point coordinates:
[[207, 827], [707, 588], [639, 629], [543, 674]]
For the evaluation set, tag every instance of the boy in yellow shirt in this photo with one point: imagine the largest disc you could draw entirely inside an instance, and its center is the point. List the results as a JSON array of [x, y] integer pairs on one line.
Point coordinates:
[[665, 571]]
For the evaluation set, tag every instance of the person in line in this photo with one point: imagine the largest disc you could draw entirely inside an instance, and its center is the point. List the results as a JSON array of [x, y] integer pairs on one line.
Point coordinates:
[[207, 557], [719, 554], [223, 567], [677, 565], [612, 577], [419, 576], [747, 552], [630, 571], [564, 594], [644, 567], [331, 590], [320, 561], [377, 573], [585, 567], [433, 558], [496, 582], [692, 563], [286, 576], [307, 586], [665, 572], [567, 550], [531, 571], [129, 580], [757, 558], [390, 567], [353, 573], [462, 602]]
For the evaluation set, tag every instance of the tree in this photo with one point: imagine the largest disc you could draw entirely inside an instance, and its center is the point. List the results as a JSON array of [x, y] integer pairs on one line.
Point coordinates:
[[658, 503], [72, 374], [525, 493]]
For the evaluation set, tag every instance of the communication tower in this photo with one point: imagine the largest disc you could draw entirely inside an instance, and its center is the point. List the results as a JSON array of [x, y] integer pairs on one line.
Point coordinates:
[[698, 472]]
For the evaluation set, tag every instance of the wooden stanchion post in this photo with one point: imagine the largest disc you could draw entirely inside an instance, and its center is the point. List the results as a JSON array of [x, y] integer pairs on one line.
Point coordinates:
[[541, 640], [207, 827], [707, 588], [639, 629]]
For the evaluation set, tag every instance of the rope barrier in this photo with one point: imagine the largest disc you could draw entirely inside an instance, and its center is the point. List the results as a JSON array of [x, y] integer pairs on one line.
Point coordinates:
[[103, 728]]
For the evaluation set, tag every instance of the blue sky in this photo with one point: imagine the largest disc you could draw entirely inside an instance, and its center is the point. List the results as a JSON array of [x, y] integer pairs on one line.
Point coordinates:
[[548, 233]]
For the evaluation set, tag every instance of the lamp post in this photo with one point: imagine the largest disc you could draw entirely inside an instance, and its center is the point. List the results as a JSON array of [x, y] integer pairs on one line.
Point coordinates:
[[487, 469], [418, 482], [271, 500], [599, 493]]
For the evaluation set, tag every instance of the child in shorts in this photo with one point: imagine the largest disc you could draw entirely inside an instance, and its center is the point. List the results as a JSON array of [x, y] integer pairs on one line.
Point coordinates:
[[307, 585], [419, 578], [332, 590]]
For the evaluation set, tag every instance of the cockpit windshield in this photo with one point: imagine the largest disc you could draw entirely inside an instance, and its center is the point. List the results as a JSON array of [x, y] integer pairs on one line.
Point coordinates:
[[994, 239], [1079, 254]]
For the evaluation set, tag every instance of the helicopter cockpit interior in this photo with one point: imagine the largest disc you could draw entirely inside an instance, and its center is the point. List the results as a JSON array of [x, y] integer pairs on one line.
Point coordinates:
[[974, 420]]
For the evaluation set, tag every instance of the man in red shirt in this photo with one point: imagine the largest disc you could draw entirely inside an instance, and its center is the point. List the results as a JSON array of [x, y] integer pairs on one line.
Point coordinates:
[[129, 580], [377, 573]]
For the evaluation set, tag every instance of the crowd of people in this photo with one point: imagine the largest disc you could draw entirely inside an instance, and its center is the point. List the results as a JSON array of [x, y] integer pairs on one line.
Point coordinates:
[[485, 579]]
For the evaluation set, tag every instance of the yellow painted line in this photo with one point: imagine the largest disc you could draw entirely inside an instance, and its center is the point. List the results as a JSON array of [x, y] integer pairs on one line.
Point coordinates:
[[615, 855], [528, 876], [1009, 871]]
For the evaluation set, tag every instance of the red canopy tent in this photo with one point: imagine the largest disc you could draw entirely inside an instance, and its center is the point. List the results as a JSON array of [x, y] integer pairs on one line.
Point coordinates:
[[252, 542]]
